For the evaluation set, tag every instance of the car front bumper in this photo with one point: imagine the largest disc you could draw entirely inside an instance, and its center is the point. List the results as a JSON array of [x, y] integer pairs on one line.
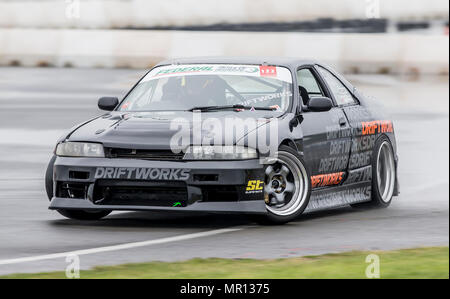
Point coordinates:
[[133, 185]]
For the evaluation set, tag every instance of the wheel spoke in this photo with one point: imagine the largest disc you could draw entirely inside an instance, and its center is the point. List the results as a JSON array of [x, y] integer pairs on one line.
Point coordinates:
[[284, 171], [280, 198], [269, 170], [290, 187], [268, 189]]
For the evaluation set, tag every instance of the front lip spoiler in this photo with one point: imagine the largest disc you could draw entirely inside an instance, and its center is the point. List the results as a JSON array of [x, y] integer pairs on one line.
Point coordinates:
[[242, 207]]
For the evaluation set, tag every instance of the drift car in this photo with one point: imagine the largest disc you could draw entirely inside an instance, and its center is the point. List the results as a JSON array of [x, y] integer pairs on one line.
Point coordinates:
[[270, 137]]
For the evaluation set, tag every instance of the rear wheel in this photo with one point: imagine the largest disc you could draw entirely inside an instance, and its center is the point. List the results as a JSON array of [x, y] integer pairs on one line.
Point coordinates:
[[72, 214], [287, 187], [383, 175]]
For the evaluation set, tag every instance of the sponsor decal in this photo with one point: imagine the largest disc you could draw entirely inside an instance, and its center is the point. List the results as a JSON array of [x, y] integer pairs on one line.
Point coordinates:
[[377, 127], [364, 143], [333, 164], [184, 70], [236, 69], [340, 147], [359, 175], [327, 179], [321, 200], [208, 69], [268, 71], [359, 160], [337, 132], [254, 186], [132, 173], [352, 147], [279, 73], [266, 98]]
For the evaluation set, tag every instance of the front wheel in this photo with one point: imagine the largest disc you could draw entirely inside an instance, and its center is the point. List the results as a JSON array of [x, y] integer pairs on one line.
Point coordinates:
[[71, 214], [83, 215], [287, 187]]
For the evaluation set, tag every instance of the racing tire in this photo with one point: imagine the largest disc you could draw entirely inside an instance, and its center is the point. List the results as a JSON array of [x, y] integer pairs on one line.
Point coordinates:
[[287, 188], [384, 174], [49, 178], [71, 214]]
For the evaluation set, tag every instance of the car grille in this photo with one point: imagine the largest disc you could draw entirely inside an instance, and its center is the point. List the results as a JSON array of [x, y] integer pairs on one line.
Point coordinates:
[[137, 193], [161, 155], [224, 193]]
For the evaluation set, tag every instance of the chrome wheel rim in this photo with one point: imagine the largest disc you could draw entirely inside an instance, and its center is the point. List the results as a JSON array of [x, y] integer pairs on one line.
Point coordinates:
[[286, 185], [385, 172]]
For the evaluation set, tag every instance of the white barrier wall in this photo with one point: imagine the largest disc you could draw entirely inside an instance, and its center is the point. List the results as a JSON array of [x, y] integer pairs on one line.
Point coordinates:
[[141, 49], [148, 13]]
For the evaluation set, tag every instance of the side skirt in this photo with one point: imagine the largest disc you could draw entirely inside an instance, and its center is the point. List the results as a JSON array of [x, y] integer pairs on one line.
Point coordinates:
[[339, 196]]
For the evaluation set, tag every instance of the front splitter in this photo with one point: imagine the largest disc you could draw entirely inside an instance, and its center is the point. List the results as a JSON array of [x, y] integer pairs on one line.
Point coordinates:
[[244, 207]]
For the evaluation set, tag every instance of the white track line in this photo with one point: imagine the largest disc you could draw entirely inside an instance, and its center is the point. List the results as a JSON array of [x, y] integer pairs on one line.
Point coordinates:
[[118, 247]]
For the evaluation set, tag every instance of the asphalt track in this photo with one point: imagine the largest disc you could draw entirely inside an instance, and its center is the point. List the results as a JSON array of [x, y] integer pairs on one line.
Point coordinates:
[[38, 105]]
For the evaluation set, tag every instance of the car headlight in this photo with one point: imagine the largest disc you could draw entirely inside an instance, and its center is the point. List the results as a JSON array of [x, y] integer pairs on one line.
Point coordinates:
[[80, 149], [214, 152]]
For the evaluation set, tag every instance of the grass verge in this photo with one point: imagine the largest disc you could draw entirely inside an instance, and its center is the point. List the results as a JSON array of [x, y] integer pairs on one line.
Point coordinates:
[[430, 262]]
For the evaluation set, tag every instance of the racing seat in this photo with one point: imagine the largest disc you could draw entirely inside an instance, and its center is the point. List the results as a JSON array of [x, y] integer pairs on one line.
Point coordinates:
[[304, 94]]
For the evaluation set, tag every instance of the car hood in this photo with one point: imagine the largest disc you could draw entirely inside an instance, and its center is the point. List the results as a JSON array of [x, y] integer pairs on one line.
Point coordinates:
[[156, 130]]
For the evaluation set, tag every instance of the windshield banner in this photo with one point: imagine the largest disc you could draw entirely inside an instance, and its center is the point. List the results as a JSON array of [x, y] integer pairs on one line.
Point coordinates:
[[262, 71]]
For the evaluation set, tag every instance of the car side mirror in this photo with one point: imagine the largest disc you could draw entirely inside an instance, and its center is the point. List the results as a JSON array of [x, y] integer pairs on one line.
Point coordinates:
[[320, 104], [108, 103]]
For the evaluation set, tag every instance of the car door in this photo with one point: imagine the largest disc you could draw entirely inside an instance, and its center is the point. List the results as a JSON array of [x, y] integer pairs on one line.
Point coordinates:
[[359, 167], [326, 135]]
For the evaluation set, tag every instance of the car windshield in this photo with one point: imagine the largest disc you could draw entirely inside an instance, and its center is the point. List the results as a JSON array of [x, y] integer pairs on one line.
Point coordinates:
[[184, 87]]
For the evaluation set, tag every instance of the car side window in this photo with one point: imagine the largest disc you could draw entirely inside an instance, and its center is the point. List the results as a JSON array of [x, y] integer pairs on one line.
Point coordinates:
[[306, 79], [308, 85], [342, 95]]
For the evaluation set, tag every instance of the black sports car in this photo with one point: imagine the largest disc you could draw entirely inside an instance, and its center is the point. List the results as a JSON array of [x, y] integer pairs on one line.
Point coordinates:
[[270, 137]]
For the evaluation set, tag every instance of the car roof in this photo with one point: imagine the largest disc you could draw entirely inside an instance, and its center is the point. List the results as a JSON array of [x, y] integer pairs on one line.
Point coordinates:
[[289, 62]]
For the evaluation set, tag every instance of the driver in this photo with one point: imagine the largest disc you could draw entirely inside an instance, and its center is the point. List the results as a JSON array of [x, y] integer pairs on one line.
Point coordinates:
[[204, 90]]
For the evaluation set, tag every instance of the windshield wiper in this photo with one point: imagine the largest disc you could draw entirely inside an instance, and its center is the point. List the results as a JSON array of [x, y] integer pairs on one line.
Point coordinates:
[[237, 106]]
